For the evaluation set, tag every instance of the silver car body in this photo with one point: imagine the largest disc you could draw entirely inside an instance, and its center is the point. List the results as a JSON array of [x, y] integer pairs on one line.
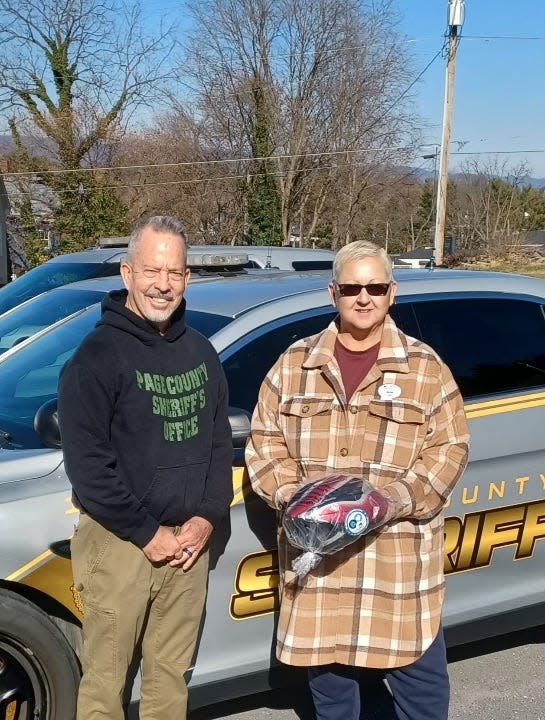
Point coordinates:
[[495, 518]]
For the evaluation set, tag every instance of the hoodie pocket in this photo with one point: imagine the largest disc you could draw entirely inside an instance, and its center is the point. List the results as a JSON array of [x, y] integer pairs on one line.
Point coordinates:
[[176, 492]]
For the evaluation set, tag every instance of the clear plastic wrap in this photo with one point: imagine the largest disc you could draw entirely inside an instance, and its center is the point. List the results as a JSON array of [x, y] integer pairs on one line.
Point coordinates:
[[328, 514]]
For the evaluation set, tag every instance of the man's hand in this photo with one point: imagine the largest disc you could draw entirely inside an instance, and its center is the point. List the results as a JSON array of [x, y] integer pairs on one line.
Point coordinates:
[[162, 547], [193, 536]]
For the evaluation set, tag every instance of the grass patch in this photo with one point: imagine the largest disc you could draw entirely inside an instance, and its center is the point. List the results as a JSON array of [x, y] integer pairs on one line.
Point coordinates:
[[534, 269]]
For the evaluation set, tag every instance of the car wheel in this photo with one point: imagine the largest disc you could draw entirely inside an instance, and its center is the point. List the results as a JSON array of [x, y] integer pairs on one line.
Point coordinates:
[[39, 671]]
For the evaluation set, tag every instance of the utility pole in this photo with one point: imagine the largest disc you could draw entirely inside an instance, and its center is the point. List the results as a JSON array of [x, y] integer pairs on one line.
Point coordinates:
[[455, 22], [4, 250], [433, 210]]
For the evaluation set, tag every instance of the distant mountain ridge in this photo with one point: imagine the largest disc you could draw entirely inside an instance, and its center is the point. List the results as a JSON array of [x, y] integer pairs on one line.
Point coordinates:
[[422, 174], [35, 147]]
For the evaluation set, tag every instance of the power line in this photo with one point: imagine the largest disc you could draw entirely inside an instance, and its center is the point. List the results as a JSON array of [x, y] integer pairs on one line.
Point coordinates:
[[500, 152], [254, 159], [502, 37], [218, 178], [417, 78], [331, 153], [193, 163], [221, 178]]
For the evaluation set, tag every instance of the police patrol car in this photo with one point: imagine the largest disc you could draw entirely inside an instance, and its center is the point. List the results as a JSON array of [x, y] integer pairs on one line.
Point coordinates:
[[489, 328]]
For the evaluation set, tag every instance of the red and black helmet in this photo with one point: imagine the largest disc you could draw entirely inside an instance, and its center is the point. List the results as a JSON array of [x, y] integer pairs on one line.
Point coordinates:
[[330, 513]]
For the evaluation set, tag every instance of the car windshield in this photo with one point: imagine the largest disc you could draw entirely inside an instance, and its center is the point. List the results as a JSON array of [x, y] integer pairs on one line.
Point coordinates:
[[26, 320], [49, 276], [29, 377]]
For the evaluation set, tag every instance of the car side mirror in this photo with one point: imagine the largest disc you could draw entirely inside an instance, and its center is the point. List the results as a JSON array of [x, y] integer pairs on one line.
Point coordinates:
[[239, 420], [46, 424]]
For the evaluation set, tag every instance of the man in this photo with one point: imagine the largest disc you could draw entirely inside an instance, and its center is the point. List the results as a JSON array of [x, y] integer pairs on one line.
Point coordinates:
[[363, 398], [147, 448]]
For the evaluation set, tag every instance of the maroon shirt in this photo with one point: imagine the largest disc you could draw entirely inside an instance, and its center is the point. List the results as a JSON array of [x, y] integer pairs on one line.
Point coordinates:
[[354, 365]]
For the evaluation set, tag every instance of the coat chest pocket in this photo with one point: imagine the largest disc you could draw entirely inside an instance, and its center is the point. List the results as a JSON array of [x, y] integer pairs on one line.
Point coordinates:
[[308, 425], [394, 432]]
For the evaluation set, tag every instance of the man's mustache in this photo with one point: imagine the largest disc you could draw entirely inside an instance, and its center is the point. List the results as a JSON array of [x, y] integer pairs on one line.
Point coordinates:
[[160, 295]]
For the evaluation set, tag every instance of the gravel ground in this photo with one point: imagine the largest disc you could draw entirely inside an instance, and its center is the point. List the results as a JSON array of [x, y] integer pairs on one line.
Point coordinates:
[[498, 679]]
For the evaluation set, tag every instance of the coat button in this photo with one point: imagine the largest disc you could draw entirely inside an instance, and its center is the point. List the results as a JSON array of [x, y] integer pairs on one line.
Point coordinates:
[[79, 587], [343, 452], [305, 408], [353, 409]]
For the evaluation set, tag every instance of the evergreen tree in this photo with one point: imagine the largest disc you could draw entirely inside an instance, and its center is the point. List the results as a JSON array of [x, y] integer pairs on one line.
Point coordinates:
[[262, 196], [87, 212]]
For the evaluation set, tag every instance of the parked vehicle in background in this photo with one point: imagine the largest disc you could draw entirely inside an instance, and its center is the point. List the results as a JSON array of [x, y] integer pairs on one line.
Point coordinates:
[[61, 270], [104, 263], [488, 327], [37, 313], [283, 258]]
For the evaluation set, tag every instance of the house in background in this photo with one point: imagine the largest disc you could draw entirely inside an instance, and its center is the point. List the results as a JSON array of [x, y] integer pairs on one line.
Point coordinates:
[[419, 258]]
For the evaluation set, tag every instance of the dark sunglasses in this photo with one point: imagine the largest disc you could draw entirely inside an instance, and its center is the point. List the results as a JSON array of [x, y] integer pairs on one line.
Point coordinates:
[[353, 289]]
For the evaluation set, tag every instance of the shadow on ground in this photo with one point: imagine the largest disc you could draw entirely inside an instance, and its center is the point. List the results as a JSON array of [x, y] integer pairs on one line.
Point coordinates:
[[497, 643], [375, 696], [376, 701]]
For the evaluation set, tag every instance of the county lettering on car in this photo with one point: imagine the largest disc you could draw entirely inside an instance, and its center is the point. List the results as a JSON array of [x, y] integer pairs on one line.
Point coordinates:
[[488, 327]]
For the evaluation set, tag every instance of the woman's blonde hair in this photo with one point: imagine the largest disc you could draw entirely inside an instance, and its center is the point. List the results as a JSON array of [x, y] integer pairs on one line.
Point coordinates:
[[359, 250]]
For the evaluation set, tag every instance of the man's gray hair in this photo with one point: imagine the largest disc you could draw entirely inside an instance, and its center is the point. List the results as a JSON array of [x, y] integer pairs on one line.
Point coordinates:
[[160, 224], [360, 250]]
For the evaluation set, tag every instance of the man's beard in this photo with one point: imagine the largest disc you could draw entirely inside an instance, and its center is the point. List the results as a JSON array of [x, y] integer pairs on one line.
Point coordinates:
[[159, 316]]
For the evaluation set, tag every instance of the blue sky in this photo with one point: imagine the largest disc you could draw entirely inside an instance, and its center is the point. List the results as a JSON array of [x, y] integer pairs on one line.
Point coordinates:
[[499, 102]]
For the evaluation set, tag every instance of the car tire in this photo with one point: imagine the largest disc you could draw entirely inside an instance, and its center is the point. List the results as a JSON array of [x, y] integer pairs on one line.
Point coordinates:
[[39, 671]]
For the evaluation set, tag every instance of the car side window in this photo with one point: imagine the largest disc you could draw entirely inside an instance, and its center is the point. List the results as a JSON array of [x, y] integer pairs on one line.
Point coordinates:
[[30, 377], [247, 367], [403, 315], [491, 345], [300, 265], [108, 269]]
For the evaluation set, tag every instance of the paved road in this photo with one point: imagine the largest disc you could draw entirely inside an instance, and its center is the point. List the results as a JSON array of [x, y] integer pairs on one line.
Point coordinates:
[[499, 679]]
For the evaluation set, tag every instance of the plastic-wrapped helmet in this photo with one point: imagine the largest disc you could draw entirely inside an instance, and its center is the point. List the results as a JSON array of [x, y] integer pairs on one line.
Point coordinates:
[[329, 514]]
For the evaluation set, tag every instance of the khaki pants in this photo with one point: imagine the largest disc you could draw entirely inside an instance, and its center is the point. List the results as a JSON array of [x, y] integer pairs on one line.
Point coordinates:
[[127, 599]]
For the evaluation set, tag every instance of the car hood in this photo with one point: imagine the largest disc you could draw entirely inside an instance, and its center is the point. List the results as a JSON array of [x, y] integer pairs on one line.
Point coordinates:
[[18, 465]]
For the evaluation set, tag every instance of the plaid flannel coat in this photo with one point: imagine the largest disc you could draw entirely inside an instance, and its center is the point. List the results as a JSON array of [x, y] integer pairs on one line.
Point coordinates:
[[377, 603]]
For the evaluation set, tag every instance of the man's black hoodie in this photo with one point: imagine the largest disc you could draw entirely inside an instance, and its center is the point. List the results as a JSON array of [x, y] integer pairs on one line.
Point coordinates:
[[144, 424]]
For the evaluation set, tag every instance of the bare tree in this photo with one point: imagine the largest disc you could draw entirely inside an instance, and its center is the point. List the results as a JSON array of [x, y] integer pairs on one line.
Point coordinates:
[[71, 75], [307, 89], [179, 175], [487, 215], [73, 71]]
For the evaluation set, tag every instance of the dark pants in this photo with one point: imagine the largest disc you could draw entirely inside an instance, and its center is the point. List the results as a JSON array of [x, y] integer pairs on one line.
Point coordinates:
[[420, 691]]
